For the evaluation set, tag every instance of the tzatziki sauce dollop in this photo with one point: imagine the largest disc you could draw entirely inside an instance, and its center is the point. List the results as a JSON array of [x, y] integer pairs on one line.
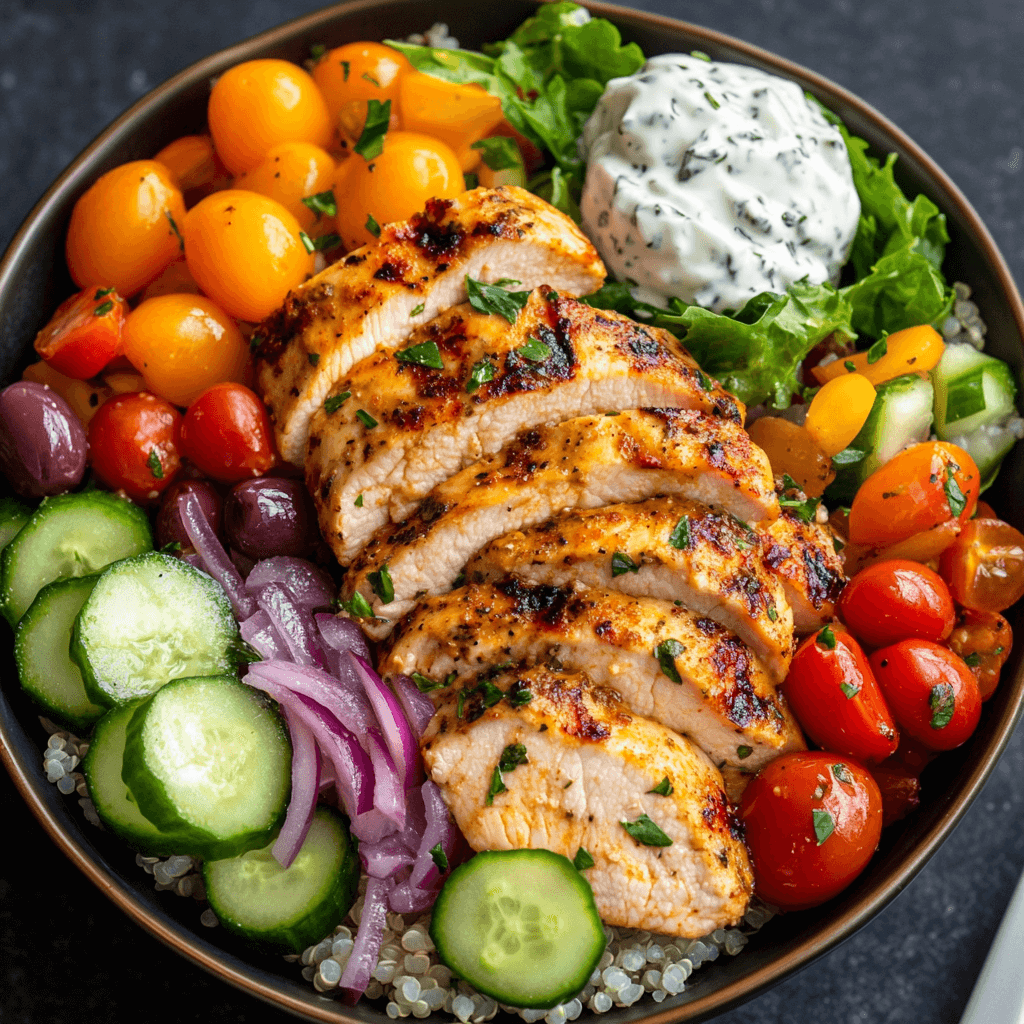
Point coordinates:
[[712, 182]]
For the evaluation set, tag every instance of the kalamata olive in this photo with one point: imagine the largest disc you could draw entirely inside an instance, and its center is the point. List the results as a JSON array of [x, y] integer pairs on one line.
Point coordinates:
[[42, 442], [270, 516], [169, 527]]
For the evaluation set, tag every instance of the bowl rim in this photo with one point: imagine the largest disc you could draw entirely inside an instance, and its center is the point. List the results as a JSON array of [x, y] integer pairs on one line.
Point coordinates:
[[185, 941]]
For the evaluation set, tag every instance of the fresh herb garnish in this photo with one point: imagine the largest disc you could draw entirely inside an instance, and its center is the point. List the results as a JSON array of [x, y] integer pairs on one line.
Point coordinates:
[[805, 510], [101, 292], [848, 457], [827, 638], [345, 68], [155, 465], [517, 696], [773, 615], [359, 501], [700, 55], [646, 832], [255, 341], [366, 419], [322, 204], [171, 547], [973, 660], [372, 226], [824, 824], [366, 76], [511, 757], [313, 358], [439, 857], [499, 153], [461, 704], [497, 785], [534, 350], [174, 228], [424, 354], [622, 564], [663, 788], [371, 140], [666, 652], [382, 584], [942, 701], [956, 497], [711, 99], [679, 538], [358, 605], [506, 282], [879, 349], [320, 243], [850, 366], [335, 402], [104, 309], [744, 752], [471, 180], [493, 299], [849, 689], [317, 50], [489, 693], [481, 373], [582, 860], [417, 309], [842, 773], [425, 684]]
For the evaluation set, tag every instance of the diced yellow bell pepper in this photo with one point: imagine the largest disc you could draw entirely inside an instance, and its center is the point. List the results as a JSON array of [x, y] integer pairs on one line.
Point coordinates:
[[455, 114], [912, 350], [838, 411]]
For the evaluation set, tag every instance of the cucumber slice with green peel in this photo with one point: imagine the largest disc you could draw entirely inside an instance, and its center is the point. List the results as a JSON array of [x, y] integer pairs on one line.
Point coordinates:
[[14, 515], [151, 619], [210, 763], [901, 414], [972, 390], [519, 925], [287, 909], [70, 535], [41, 641], [114, 803]]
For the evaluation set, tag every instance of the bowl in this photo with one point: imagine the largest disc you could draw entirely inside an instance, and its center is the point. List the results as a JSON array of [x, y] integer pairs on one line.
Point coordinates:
[[33, 279]]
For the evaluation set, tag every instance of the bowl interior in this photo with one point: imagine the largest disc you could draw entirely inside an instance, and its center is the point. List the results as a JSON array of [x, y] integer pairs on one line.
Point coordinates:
[[33, 279]]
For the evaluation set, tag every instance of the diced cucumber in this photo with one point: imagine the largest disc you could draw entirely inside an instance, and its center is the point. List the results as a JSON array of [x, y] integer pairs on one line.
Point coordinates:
[[901, 414], [13, 516], [988, 446], [70, 535], [971, 391], [114, 803], [287, 909], [519, 925], [41, 641], [210, 763], [151, 619]]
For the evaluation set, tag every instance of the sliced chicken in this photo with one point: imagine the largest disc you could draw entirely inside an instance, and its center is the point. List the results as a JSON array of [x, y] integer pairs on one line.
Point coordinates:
[[804, 557], [586, 765], [668, 663], [376, 296], [560, 359], [582, 463], [668, 548]]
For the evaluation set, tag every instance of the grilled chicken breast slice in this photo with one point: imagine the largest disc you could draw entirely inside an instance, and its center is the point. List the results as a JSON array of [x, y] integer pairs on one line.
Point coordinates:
[[667, 548], [583, 463], [588, 764], [670, 664], [560, 359], [804, 558], [376, 296]]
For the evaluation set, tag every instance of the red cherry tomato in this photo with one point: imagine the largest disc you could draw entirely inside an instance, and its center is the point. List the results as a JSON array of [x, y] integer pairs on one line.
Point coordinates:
[[900, 788], [85, 332], [813, 820], [984, 566], [836, 699], [932, 693], [895, 600], [983, 640], [134, 444], [227, 433]]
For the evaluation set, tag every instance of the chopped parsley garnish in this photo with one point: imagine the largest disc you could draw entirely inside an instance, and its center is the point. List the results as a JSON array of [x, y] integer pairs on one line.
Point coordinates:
[[424, 354], [314, 358], [849, 689], [942, 701], [335, 402], [842, 773], [824, 824], [317, 50], [496, 787], [622, 564], [382, 585], [358, 606], [359, 501], [507, 282], [489, 693], [679, 538], [371, 140], [518, 695], [174, 228], [711, 99], [345, 67], [663, 788], [744, 752], [499, 153], [511, 757], [461, 704], [155, 466], [366, 419], [666, 652], [851, 367], [255, 341], [805, 510], [366, 76], [646, 832], [481, 373], [973, 660], [104, 309], [535, 351], [323, 204], [956, 498], [416, 310], [494, 299], [171, 547], [427, 685], [848, 457], [101, 292], [827, 638], [471, 180], [582, 860], [772, 613], [319, 244], [879, 349], [372, 226], [439, 857]]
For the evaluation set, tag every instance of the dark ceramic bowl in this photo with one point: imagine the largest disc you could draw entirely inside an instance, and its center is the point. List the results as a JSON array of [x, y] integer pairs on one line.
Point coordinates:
[[33, 279]]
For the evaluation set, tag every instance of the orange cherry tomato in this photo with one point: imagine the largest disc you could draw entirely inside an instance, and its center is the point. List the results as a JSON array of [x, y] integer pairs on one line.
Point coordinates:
[[932, 693], [411, 169], [290, 173], [835, 698], [900, 788], [813, 821], [920, 487], [259, 104], [984, 566], [183, 344], [227, 434], [246, 252], [134, 444], [984, 641], [360, 71], [175, 280], [85, 332], [125, 229], [895, 600], [195, 166]]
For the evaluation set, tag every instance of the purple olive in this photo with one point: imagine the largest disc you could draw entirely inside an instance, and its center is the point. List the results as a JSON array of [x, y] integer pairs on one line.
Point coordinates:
[[42, 442], [169, 527], [270, 516]]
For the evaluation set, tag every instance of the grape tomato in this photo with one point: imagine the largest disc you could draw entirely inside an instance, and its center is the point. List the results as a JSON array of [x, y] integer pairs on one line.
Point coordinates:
[[85, 332], [226, 433], [984, 566], [984, 641]]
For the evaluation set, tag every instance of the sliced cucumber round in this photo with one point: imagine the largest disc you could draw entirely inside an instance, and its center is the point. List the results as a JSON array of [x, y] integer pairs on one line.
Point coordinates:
[[519, 925], [207, 761], [70, 535], [14, 515], [151, 619], [114, 803], [288, 909], [41, 641]]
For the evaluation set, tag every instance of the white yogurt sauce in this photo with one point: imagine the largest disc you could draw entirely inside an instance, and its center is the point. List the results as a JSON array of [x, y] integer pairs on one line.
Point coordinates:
[[713, 182]]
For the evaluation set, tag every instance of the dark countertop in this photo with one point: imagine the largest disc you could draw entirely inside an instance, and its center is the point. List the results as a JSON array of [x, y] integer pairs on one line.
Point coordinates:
[[949, 74]]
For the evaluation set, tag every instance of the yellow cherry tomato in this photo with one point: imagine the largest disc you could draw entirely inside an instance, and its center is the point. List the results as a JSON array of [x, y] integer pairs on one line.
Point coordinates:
[[194, 164], [183, 344], [912, 350], [124, 229], [260, 104], [360, 71], [838, 411], [456, 114], [245, 251], [411, 169], [290, 173]]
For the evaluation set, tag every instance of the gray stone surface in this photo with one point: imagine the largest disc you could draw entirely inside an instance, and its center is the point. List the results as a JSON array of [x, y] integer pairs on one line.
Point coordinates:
[[950, 74]]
